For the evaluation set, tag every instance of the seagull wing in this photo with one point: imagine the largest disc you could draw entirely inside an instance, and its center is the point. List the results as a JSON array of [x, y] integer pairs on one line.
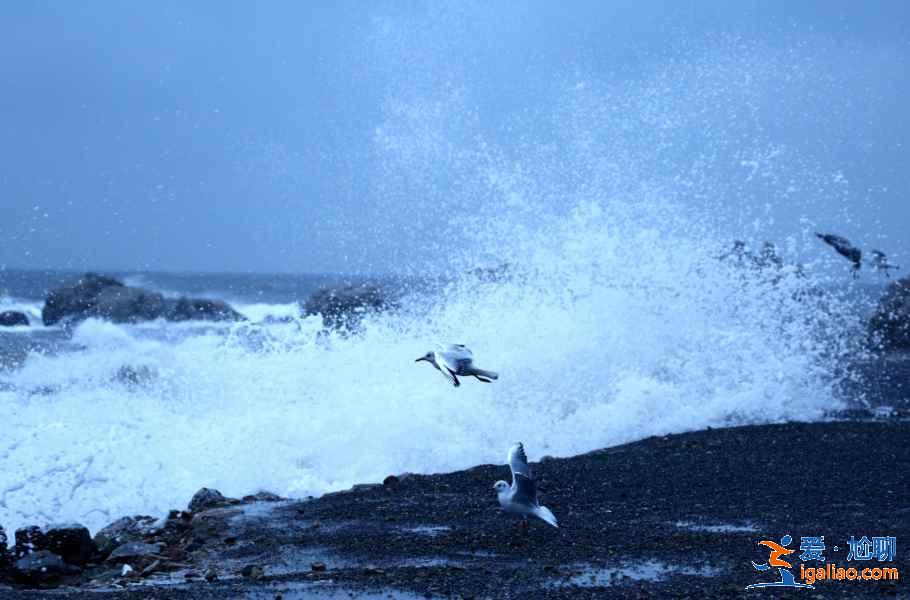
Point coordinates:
[[836, 241], [450, 376], [518, 461], [457, 351], [456, 357], [524, 490]]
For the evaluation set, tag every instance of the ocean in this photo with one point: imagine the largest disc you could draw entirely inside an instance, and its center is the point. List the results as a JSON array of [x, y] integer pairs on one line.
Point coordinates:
[[597, 342]]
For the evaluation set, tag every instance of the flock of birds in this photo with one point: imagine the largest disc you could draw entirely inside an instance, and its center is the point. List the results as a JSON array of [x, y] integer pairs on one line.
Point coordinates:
[[520, 498], [842, 246], [768, 256]]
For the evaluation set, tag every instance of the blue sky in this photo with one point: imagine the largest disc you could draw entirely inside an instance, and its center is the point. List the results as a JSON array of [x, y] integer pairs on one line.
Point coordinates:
[[239, 136]]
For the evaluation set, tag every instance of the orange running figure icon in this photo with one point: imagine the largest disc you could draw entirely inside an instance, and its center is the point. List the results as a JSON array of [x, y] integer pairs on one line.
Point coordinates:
[[776, 552]]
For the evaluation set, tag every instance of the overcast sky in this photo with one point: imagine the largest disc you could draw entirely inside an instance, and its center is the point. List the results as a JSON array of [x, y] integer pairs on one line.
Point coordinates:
[[254, 136]]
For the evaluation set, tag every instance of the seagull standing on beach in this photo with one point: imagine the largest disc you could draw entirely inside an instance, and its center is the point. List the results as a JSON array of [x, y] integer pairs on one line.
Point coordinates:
[[454, 360], [521, 497], [843, 247]]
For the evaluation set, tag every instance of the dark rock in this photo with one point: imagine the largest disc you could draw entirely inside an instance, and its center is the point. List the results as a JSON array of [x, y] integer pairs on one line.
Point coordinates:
[[4, 552], [41, 567], [318, 567], [12, 318], [263, 497], [391, 482], [889, 327], [207, 498], [155, 566], [343, 307], [200, 309], [28, 539], [78, 300], [254, 572], [128, 305], [131, 552], [72, 543], [107, 298], [122, 531]]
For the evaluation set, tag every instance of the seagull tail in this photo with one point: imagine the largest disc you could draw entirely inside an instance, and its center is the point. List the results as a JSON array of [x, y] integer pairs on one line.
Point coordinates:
[[485, 376], [543, 513]]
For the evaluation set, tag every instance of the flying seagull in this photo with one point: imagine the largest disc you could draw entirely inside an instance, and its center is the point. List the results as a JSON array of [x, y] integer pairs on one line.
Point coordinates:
[[880, 262], [843, 247], [521, 497], [454, 360]]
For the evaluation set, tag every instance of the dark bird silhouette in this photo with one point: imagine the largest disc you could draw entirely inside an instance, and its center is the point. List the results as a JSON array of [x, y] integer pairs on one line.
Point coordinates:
[[843, 247]]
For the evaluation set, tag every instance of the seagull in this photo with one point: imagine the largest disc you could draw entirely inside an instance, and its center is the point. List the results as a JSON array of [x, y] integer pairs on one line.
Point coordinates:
[[521, 497], [880, 262], [454, 360], [843, 247]]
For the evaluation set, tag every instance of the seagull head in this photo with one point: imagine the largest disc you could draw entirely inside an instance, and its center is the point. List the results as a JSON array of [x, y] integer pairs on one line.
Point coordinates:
[[501, 487], [427, 357]]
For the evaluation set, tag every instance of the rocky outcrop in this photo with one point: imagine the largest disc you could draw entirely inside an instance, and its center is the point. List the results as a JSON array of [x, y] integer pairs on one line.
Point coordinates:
[[42, 567], [207, 498], [889, 327], [123, 531], [200, 309], [343, 307], [78, 300], [107, 298], [12, 318], [72, 543]]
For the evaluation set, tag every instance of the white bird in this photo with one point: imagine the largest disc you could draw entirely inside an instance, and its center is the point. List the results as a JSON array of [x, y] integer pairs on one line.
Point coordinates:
[[521, 497], [454, 360]]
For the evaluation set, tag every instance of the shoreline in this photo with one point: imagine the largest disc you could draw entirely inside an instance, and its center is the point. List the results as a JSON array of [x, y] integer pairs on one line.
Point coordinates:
[[676, 515]]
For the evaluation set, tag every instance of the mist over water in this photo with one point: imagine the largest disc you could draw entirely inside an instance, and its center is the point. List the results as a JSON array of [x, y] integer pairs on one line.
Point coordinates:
[[578, 229]]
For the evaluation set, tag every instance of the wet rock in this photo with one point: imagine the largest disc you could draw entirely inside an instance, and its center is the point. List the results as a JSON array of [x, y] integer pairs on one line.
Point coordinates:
[[155, 566], [263, 497], [135, 552], [254, 572], [122, 531], [135, 376], [207, 498], [94, 295], [200, 309], [318, 567], [76, 301], [889, 327], [4, 552], [28, 540], [128, 305], [343, 307], [12, 318], [42, 567], [72, 543]]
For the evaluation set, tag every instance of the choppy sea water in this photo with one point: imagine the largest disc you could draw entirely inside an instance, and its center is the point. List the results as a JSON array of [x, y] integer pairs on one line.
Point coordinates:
[[600, 206], [586, 361]]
